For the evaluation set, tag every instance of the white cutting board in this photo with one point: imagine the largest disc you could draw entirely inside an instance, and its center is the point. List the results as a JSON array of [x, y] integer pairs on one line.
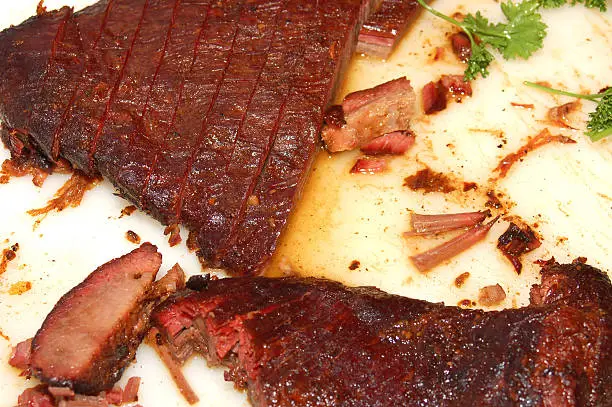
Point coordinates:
[[566, 189]]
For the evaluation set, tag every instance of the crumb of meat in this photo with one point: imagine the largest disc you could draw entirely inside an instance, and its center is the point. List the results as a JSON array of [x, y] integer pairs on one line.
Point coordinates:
[[127, 211], [132, 237], [461, 279], [491, 295], [493, 201], [174, 231], [354, 265], [69, 195], [8, 255], [20, 287]]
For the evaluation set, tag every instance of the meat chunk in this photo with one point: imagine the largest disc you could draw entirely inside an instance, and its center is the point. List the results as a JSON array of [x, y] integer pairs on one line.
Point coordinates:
[[516, 241], [301, 342], [92, 333], [435, 95], [188, 107], [461, 45], [395, 143], [369, 113]]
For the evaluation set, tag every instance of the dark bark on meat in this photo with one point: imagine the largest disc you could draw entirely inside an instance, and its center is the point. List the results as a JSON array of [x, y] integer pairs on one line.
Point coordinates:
[[189, 108], [92, 333], [383, 30], [516, 241], [300, 342]]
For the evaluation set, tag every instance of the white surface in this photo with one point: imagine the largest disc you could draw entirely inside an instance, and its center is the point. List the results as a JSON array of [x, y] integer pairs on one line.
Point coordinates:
[[566, 189]]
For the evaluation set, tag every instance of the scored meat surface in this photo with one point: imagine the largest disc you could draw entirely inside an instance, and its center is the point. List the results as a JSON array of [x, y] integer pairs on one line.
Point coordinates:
[[204, 113], [306, 342]]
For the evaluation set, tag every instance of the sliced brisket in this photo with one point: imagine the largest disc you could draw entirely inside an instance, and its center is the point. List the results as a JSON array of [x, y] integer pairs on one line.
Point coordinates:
[[302, 342], [189, 107], [385, 27], [92, 333]]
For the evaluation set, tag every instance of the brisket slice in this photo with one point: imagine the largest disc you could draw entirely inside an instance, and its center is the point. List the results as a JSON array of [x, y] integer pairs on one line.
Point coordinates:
[[303, 342], [386, 26], [93, 331], [189, 107]]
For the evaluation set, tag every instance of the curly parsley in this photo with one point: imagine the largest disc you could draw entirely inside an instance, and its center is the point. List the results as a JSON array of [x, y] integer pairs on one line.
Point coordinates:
[[520, 36]]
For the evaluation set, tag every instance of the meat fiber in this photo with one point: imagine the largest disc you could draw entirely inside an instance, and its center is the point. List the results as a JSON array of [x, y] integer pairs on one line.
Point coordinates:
[[189, 107], [306, 342], [385, 27], [92, 333]]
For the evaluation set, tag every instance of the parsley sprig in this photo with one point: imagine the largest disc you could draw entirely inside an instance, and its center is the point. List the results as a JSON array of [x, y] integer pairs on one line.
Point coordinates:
[[600, 4], [520, 36], [600, 120]]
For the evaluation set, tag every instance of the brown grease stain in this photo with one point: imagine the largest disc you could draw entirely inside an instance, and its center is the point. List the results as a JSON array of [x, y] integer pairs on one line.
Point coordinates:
[[429, 181], [461, 279], [20, 287]]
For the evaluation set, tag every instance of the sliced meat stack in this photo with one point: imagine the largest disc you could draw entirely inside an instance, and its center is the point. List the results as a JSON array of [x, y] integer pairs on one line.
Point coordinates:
[[204, 113], [92, 333], [306, 342]]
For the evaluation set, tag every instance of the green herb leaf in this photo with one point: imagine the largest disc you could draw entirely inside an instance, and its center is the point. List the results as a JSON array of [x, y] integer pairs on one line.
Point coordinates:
[[525, 30], [478, 62], [600, 121], [600, 4], [552, 3]]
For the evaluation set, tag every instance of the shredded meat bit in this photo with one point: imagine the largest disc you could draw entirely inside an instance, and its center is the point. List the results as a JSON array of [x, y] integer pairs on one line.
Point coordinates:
[[3, 336], [174, 231], [429, 181], [543, 138], [40, 8], [491, 295], [12, 169], [69, 195], [558, 114], [354, 265], [523, 105]]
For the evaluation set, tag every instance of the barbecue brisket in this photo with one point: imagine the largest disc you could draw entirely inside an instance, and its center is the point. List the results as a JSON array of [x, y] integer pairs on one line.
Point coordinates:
[[304, 342], [93, 331], [189, 107]]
